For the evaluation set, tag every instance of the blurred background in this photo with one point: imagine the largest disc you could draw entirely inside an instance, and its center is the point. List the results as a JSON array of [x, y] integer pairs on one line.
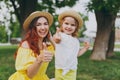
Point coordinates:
[[101, 20], [101, 28]]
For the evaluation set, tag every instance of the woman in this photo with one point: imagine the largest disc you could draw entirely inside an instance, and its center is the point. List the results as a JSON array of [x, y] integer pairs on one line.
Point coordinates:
[[33, 54]]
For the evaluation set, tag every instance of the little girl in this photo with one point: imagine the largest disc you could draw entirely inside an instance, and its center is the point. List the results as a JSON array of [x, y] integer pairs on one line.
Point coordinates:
[[67, 45]]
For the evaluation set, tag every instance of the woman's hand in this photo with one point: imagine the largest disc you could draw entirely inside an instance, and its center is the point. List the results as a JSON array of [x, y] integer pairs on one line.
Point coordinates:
[[46, 56]]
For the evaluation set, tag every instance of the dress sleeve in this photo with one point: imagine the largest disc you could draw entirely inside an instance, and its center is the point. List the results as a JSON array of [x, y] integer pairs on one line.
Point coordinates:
[[24, 59]]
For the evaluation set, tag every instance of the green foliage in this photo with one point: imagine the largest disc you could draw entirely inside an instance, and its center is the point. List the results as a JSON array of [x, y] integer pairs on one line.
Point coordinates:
[[63, 3], [15, 28], [87, 69], [83, 28], [106, 6], [3, 34], [51, 5], [46, 5], [43, 5]]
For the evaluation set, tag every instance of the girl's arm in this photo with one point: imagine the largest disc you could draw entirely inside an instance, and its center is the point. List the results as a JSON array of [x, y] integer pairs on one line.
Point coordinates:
[[56, 36], [84, 49], [50, 37]]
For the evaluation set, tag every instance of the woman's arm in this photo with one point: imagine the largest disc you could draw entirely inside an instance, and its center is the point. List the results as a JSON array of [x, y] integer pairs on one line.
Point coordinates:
[[46, 56]]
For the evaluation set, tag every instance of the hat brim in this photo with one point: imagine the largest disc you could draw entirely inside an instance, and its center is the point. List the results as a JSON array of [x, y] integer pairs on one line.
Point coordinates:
[[71, 13], [37, 14]]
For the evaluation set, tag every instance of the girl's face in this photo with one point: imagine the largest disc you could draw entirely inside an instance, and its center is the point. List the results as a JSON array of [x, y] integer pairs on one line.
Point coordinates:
[[42, 27], [69, 25]]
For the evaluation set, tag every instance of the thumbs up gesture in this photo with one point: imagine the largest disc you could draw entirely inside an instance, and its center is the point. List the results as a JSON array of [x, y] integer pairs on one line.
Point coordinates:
[[56, 36], [46, 56]]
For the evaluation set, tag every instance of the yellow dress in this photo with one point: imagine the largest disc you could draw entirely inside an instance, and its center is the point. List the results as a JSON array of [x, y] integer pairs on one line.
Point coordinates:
[[25, 57]]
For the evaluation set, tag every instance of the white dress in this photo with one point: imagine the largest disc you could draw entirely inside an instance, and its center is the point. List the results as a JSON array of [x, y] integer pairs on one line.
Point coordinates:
[[66, 53]]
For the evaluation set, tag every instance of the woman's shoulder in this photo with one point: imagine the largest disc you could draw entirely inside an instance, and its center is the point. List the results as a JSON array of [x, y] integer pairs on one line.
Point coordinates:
[[25, 44]]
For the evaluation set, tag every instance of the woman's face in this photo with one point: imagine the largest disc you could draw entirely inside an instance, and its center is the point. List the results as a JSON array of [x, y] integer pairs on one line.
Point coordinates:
[[69, 25], [42, 27]]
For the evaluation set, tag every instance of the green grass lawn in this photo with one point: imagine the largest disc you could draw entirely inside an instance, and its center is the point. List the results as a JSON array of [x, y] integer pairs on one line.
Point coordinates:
[[87, 69], [91, 44]]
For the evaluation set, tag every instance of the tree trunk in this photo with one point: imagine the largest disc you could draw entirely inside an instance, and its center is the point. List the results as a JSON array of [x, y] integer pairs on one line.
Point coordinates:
[[104, 26], [25, 8], [110, 51]]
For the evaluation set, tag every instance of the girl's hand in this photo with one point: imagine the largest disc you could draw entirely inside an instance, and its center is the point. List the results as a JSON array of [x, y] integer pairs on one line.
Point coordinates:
[[46, 56], [86, 45], [56, 36]]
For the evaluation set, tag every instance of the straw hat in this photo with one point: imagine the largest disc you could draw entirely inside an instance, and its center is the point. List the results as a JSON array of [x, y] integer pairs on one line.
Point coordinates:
[[71, 13], [37, 14]]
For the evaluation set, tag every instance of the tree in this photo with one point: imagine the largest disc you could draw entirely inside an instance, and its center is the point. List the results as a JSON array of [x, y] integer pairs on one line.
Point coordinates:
[[106, 13], [22, 8], [3, 34]]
